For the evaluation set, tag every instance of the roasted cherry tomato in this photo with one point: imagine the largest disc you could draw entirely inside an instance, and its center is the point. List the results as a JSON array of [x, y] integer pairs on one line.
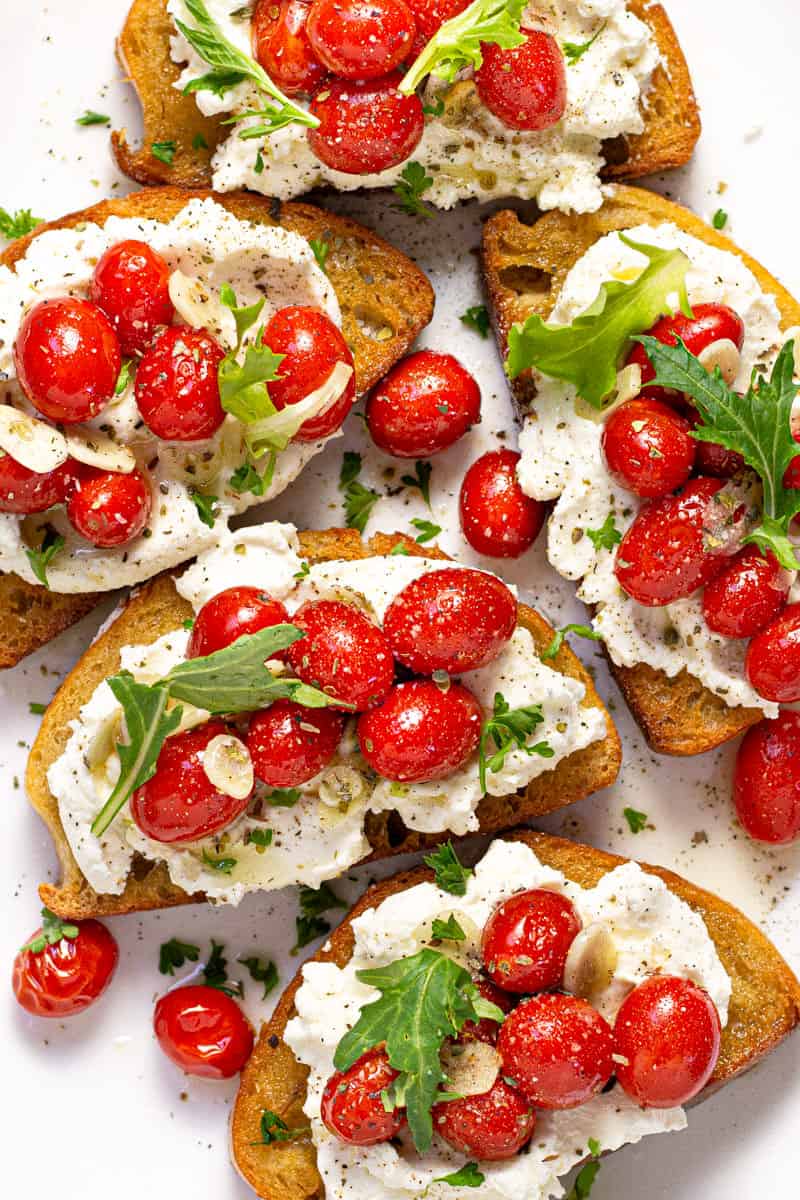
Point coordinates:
[[747, 594], [203, 1031], [710, 323], [365, 126], [67, 359], [791, 476], [312, 346], [131, 285], [557, 1049], [452, 620], [421, 732], [425, 404], [361, 39], [489, 1127], [766, 782], [230, 615], [526, 941], [180, 803], [290, 744], [177, 386], [352, 1108], [343, 653], [109, 509], [525, 87], [430, 17], [61, 978], [281, 46], [497, 518], [773, 658], [486, 1030], [648, 447], [24, 491], [667, 1037], [710, 458]]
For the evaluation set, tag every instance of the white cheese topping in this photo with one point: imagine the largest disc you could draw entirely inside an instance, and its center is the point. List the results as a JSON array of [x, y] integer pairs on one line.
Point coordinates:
[[562, 460], [653, 931], [323, 833], [468, 152]]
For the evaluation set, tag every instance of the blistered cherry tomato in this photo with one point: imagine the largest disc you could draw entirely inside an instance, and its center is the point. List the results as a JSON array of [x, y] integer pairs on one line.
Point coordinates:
[[343, 653], [430, 17], [180, 803], [710, 323], [352, 1108], [525, 87], [766, 783], [109, 509], [281, 46], [425, 404], [486, 1030], [361, 39], [421, 732], [365, 126], [230, 615], [667, 1037], [746, 595], [526, 941], [66, 977], [177, 386], [791, 476], [490, 1127], [773, 658], [131, 285], [312, 346], [203, 1031], [557, 1049], [67, 359], [24, 491], [453, 620], [290, 744], [710, 458], [497, 518], [648, 447]]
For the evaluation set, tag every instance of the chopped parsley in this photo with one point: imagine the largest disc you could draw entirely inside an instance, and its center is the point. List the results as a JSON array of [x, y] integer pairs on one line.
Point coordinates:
[[558, 641], [469, 1176], [448, 931], [199, 142], [637, 821], [215, 972], [174, 954], [477, 318], [412, 185], [574, 51], [261, 972], [164, 151], [421, 480], [607, 536], [18, 224], [427, 530], [223, 865], [359, 500], [205, 506], [247, 479], [311, 923], [584, 1180], [41, 558], [305, 570], [52, 932], [124, 377], [283, 797], [36, 709], [451, 875], [321, 248], [399, 548], [93, 118], [508, 729], [274, 1129], [260, 838], [719, 219]]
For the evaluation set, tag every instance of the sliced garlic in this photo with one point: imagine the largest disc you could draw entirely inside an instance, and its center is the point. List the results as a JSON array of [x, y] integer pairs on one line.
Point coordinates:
[[282, 426], [471, 1068], [228, 766], [591, 962], [34, 444], [725, 355], [197, 305], [98, 450], [341, 786], [629, 382]]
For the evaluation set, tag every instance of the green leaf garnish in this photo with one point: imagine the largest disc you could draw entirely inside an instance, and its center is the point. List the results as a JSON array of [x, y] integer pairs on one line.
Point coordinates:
[[260, 838], [321, 248], [274, 1129], [283, 797], [719, 219], [205, 506], [93, 118], [451, 875], [607, 536], [242, 386], [310, 923], [41, 558], [262, 972], [359, 500], [53, 931], [224, 865], [477, 318], [637, 821], [215, 973], [508, 729], [174, 954], [448, 931], [458, 43], [36, 709], [411, 186], [247, 479], [436, 109], [398, 548], [18, 224], [124, 377], [199, 142], [584, 631], [304, 572], [421, 480], [469, 1176], [584, 1180], [427, 530], [574, 51], [164, 151]]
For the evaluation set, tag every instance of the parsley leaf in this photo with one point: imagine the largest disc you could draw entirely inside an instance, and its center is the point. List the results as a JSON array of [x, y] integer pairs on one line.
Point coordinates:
[[607, 536], [199, 142], [304, 571], [242, 386], [262, 972], [215, 973], [449, 930], [409, 189], [469, 1176], [351, 468], [637, 821], [247, 479], [421, 480], [124, 377], [458, 43], [558, 641], [260, 838], [283, 797], [224, 865], [574, 51], [174, 954], [359, 500], [509, 728], [164, 151], [41, 558], [93, 118], [427, 530], [477, 318], [273, 1129], [36, 709], [321, 248], [398, 548], [719, 219], [584, 1180], [205, 507], [18, 224], [310, 923], [451, 875], [52, 932]]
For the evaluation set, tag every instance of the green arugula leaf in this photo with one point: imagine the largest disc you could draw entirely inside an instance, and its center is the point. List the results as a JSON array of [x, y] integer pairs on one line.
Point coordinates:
[[427, 530], [451, 875], [321, 248], [469, 1176], [93, 118], [448, 931], [411, 186], [607, 536], [637, 821], [719, 219], [247, 479], [421, 480], [509, 729], [262, 972], [477, 318], [215, 973], [458, 43], [558, 641], [164, 151], [205, 506], [174, 954], [274, 1129], [18, 224], [574, 51], [52, 932], [224, 865], [310, 923], [41, 558], [124, 377], [584, 1180]]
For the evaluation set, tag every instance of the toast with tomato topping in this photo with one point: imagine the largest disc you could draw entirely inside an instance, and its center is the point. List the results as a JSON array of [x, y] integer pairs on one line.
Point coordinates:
[[158, 609], [525, 267], [385, 301]]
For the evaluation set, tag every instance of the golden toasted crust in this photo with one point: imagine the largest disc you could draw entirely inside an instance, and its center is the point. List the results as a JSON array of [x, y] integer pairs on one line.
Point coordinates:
[[157, 609], [765, 1007], [525, 267], [385, 300], [672, 119]]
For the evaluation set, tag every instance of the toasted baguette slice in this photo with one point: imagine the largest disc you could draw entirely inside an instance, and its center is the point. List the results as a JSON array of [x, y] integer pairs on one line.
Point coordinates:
[[672, 119], [385, 300], [525, 267], [764, 1009], [158, 609]]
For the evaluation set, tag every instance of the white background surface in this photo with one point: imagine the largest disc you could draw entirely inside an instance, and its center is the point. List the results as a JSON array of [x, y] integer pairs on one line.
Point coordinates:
[[92, 1109]]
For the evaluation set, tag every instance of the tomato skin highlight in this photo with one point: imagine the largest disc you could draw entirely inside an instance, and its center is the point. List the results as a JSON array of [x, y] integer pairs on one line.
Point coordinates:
[[23, 491], [232, 614], [361, 39], [526, 941], [203, 1031], [67, 977], [773, 658], [497, 518], [290, 744], [366, 126], [343, 654], [109, 509], [421, 733], [746, 595], [710, 323], [669, 1032], [177, 387], [648, 448], [282, 47], [526, 88], [766, 781], [490, 1127], [131, 285], [423, 406], [312, 346], [351, 1106]]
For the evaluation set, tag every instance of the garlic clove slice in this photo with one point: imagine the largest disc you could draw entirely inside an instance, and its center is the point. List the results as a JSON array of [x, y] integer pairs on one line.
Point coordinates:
[[228, 766], [34, 444], [591, 962], [99, 450], [723, 354], [471, 1067], [197, 305]]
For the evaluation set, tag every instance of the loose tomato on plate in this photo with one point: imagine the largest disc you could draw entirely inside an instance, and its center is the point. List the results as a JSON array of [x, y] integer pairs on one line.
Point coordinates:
[[203, 1031], [497, 518], [64, 967], [766, 783]]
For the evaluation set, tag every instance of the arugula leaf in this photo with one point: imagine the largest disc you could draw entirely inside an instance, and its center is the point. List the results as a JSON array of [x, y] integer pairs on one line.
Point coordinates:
[[637, 821], [451, 875], [421, 480], [174, 953], [164, 151], [574, 51], [310, 923], [584, 1180], [52, 932], [321, 248], [359, 500], [274, 1129], [508, 729], [247, 479], [409, 189], [262, 972], [427, 530], [215, 973], [93, 118], [469, 1176], [719, 219], [41, 558], [607, 536], [205, 507], [477, 318], [587, 352], [18, 224], [558, 641], [458, 43], [449, 930]]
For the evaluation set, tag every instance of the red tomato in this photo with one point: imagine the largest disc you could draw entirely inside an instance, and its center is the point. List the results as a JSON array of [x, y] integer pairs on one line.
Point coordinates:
[[290, 744], [751, 590], [352, 1108], [230, 615], [648, 447], [365, 126], [766, 783], [710, 323], [425, 404], [773, 658], [281, 46], [526, 941], [67, 359], [486, 1030], [497, 518], [451, 620], [131, 285], [343, 653], [177, 386], [557, 1049], [421, 732], [65, 978], [312, 346], [361, 39], [203, 1031], [24, 491], [667, 1034], [431, 16], [711, 458], [490, 1127], [109, 509], [525, 87], [180, 803], [791, 476]]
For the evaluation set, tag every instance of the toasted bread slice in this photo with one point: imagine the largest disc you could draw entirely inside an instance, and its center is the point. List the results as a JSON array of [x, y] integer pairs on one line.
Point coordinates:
[[158, 609], [764, 1009], [525, 267], [385, 300], [672, 119]]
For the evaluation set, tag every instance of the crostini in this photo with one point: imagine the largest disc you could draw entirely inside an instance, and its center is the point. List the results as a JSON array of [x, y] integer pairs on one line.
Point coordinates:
[[403, 701]]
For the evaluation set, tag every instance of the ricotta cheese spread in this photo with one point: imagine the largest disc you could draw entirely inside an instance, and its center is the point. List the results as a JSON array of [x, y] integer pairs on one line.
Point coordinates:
[[466, 150], [322, 834], [205, 247], [653, 931], [562, 460]]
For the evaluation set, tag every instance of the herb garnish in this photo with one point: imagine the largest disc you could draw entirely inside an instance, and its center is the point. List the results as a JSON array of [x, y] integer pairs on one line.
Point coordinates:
[[509, 728], [124, 377], [584, 1180], [477, 318], [164, 151], [18, 224], [468, 1176], [247, 479], [205, 506], [448, 931], [41, 558], [584, 631], [53, 930], [36, 709], [359, 500], [719, 219], [93, 118], [310, 923], [274, 1129], [409, 189], [174, 954], [427, 530], [215, 972], [224, 865], [261, 972], [450, 874], [607, 536], [321, 248], [574, 51], [637, 821], [421, 480], [458, 43]]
